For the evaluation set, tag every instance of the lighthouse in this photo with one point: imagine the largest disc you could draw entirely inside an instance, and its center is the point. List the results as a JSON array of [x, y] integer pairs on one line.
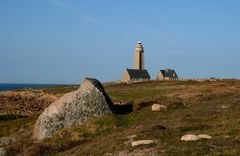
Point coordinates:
[[139, 56], [138, 73]]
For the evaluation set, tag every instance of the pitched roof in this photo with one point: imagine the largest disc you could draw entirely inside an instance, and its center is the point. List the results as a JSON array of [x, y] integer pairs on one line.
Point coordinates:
[[169, 73], [135, 73]]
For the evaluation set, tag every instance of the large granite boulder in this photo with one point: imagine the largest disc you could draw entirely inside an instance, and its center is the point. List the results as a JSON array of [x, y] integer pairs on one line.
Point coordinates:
[[74, 108]]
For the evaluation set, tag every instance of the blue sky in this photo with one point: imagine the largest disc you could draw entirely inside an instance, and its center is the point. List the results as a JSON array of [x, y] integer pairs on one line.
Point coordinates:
[[63, 41]]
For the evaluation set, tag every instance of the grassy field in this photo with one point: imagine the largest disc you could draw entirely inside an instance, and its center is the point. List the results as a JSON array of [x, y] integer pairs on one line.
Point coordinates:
[[194, 107]]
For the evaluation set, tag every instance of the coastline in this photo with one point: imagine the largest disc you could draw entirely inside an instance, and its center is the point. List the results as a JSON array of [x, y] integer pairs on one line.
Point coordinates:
[[17, 86]]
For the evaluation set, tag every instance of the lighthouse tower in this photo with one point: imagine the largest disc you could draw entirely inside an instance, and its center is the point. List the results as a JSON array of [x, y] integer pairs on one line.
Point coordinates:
[[139, 57], [138, 73]]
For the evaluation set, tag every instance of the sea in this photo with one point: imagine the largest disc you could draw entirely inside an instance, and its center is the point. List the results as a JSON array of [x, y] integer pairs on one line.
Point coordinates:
[[14, 86]]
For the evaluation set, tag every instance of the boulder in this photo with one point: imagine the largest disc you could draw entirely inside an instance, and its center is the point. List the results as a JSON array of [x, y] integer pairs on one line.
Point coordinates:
[[74, 108], [190, 137], [158, 107], [204, 136], [2, 152], [4, 141], [141, 142]]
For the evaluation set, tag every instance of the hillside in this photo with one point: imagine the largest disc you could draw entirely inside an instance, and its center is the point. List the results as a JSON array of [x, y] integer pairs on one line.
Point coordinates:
[[206, 107]]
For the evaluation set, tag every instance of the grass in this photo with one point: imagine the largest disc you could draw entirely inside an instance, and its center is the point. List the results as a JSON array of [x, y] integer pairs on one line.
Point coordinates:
[[10, 117], [211, 108], [58, 89], [134, 94], [13, 126]]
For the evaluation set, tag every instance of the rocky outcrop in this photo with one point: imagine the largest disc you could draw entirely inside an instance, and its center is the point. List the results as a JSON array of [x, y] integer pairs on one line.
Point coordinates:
[[158, 107], [24, 103], [74, 108]]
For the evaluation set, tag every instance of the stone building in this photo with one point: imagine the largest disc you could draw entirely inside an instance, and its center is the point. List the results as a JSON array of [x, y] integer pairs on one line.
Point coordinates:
[[136, 75], [139, 73], [167, 74]]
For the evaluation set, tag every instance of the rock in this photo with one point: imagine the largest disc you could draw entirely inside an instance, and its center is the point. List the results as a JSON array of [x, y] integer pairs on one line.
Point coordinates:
[[4, 141], [158, 107], [2, 152], [131, 136], [190, 137], [141, 142], [204, 136], [129, 139], [74, 108]]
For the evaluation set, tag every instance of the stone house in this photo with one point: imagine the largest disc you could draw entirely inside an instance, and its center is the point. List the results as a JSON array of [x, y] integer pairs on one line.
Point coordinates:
[[167, 74], [136, 75]]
